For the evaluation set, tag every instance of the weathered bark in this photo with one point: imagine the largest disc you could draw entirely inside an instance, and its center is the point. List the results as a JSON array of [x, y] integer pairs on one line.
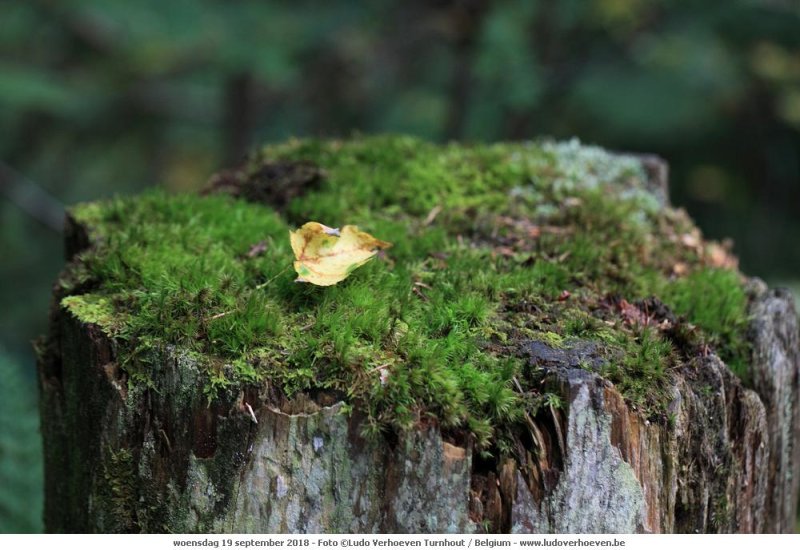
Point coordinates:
[[707, 471], [162, 458], [776, 379], [165, 461]]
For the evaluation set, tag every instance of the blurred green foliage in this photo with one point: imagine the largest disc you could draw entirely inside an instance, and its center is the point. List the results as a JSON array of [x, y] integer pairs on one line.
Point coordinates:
[[104, 97], [20, 452]]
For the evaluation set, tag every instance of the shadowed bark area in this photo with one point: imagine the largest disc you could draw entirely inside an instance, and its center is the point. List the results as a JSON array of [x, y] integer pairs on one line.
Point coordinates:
[[163, 456]]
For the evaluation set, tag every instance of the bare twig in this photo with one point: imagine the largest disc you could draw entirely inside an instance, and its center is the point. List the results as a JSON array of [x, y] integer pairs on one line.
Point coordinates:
[[250, 410], [431, 216], [528, 419], [281, 272], [220, 315]]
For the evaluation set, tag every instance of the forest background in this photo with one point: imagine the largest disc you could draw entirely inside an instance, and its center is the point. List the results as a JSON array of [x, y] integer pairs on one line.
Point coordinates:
[[107, 97]]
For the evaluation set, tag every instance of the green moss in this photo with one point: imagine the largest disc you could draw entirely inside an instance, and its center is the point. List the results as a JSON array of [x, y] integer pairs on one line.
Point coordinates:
[[90, 214], [721, 512], [715, 301], [95, 309], [492, 245], [120, 498], [642, 370]]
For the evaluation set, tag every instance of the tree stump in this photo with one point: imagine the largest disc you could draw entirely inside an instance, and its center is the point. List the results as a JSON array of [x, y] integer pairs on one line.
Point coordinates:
[[549, 347]]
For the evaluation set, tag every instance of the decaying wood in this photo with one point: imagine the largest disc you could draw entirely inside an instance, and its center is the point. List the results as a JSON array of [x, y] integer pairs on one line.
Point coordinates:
[[132, 459]]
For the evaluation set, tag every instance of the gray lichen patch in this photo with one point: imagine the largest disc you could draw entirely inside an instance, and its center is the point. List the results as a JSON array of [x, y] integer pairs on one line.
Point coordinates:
[[585, 167], [308, 473], [597, 490]]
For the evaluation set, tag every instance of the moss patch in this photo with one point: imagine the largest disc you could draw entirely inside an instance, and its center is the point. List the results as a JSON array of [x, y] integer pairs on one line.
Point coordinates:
[[493, 246], [97, 309], [715, 300], [120, 476]]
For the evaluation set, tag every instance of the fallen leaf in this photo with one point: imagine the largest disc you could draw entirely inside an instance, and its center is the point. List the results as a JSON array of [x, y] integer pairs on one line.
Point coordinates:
[[325, 256], [631, 314], [503, 251], [720, 256], [384, 374], [680, 269], [692, 240]]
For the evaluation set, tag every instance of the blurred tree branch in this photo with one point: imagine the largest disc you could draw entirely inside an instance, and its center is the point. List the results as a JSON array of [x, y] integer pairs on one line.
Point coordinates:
[[239, 122], [31, 198]]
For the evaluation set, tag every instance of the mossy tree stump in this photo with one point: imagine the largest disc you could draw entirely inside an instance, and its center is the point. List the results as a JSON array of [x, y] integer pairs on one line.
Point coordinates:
[[548, 347]]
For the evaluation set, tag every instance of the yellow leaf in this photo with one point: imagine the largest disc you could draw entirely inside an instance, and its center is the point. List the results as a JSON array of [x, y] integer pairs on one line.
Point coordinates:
[[326, 256]]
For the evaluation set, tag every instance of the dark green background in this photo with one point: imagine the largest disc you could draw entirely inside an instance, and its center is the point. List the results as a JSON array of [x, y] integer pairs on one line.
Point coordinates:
[[104, 97]]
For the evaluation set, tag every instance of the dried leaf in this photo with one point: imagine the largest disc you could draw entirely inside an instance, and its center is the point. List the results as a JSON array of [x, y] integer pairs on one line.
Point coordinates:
[[692, 240], [631, 314], [326, 256], [680, 269], [257, 249], [720, 256]]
